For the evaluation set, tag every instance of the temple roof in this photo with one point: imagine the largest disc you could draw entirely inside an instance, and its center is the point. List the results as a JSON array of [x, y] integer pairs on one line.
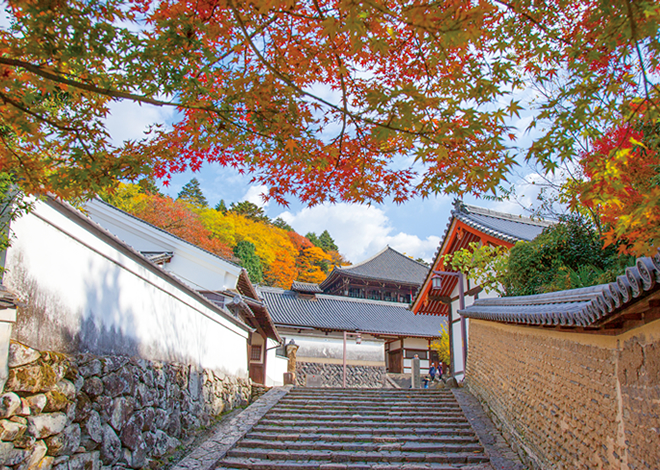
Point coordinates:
[[499, 227], [508, 227], [337, 313], [592, 307], [387, 265], [306, 287]]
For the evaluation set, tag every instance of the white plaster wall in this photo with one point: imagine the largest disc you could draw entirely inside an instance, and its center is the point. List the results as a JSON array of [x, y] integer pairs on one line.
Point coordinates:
[[275, 366], [321, 348], [457, 349], [199, 269], [85, 294], [416, 343]]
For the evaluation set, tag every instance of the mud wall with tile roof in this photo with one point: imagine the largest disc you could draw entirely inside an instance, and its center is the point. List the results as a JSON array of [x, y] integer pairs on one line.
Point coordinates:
[[567, 400]]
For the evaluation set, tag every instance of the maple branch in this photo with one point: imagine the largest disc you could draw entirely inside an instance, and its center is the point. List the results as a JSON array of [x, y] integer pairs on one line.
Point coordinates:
[[534, 21], [287, 81], [27, 170], [39, 117], [37, 70]]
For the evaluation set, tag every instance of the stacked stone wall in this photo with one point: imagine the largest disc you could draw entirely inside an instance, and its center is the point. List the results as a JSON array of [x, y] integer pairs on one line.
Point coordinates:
[[89, 412], [569, 401], [331, 375]]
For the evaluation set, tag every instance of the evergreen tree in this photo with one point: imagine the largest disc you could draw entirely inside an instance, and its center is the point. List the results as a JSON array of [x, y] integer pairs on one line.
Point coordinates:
[[221, 207], [249, 210], [327, 243], [192, 193], [245, 252], [279, 223], [311, 236], [148, 186]]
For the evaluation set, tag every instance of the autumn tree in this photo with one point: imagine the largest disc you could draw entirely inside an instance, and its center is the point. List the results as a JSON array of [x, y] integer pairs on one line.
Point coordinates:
[[192, 193], [170, 215], [418, 97]]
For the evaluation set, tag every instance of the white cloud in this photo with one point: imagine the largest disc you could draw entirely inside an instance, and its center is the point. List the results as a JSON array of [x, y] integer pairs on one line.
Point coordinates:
[[360, 231], [128, 120], [254, 195]]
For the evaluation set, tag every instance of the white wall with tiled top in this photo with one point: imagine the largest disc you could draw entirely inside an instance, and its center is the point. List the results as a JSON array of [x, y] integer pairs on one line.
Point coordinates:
[[82, 293]]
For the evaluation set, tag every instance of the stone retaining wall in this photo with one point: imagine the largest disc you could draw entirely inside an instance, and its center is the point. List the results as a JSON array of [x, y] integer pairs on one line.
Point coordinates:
[[88, 412], [331, 375]]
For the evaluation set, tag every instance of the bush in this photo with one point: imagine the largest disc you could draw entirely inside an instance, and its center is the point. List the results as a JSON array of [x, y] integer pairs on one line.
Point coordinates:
[[567, 255]]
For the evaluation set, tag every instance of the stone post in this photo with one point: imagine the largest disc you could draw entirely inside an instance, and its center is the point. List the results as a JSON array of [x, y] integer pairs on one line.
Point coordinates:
[[416, 374], [290, 374]]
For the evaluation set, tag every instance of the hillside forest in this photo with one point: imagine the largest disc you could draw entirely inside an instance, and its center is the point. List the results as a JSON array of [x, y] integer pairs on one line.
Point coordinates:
[[271, 251]]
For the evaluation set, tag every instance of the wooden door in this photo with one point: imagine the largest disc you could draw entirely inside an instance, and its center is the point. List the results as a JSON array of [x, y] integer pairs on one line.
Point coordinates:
[[396, 361], [257, 373]]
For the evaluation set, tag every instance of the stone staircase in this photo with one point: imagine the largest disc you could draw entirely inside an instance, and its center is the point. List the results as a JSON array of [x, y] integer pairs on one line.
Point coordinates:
[[337, 429]]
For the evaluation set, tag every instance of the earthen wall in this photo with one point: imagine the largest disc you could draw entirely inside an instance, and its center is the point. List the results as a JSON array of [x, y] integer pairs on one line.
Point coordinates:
[[567, 400]]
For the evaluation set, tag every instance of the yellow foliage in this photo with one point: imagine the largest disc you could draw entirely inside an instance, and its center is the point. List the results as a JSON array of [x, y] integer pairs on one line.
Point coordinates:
[[441, 346]]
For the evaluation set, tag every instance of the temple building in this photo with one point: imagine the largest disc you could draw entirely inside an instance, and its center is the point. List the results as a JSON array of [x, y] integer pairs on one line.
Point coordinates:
[[440, 293], [388, 276]]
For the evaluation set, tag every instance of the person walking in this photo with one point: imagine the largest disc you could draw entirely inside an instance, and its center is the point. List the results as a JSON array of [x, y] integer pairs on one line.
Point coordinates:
[[433, 371]]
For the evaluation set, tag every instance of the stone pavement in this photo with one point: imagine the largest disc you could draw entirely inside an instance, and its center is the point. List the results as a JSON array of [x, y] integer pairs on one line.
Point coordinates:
[[500, 454], [229, 432], [359, 429]]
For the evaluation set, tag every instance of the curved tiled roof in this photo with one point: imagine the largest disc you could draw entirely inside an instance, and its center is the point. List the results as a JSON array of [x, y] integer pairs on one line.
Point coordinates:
[[584, 307], [388, 265], [338, 313], [306, 287], [507, 227]]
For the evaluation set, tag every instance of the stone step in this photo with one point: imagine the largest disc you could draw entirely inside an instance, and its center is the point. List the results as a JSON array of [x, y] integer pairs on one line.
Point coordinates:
[[331, 408], [441, 439], [359, 429], [376, 406], [235, 463], [366, 398], [343, 456], [348, 412], [458, 428], [364, 423], [433, 407], [408, 446]]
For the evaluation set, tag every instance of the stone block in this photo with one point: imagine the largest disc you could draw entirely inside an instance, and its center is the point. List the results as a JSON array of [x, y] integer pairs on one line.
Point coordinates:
[[83, 407], [65, 443], [36, 455], [10, 430], [47, 424], [92, 427], [131, 433], [37, 403], [85, 461], [9, 403], [11, 456], [110, 447], [91, 368], [20, 355], [122, 409], [32, 378], [93, 387]]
